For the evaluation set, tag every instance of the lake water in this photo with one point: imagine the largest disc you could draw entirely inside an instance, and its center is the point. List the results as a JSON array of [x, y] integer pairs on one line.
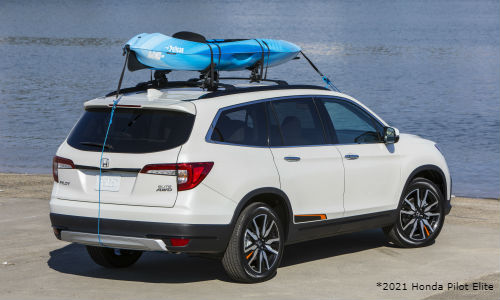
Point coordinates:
[[427, 67]]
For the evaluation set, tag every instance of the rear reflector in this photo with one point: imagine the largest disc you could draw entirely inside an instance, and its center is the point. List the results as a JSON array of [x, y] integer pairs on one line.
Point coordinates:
[[60, 163], [179, 242], [189, 175]]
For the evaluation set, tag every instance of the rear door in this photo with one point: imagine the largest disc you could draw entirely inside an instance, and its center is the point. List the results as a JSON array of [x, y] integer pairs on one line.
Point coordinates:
[[311, 171], [372, 168], [137, 137]]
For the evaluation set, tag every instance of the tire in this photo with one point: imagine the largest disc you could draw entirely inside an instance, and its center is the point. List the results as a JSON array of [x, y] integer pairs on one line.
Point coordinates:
[[254, 252], [420, 215], [113, 258]]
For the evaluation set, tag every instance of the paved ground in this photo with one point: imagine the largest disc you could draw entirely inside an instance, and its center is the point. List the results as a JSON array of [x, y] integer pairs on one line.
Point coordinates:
[[34, 264]]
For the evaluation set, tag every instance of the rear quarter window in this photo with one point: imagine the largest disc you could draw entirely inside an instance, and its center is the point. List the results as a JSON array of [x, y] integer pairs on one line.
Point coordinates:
[[132, 130], [242, 125]]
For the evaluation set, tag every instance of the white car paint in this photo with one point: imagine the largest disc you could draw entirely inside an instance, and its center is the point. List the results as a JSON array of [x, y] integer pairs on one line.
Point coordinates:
[[322, 182]]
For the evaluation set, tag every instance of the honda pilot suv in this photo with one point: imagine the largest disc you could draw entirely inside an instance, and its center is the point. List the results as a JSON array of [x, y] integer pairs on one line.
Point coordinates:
[[238, 174]]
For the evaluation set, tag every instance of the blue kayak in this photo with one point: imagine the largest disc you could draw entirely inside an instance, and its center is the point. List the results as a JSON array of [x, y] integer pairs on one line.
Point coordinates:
[[156, 51]]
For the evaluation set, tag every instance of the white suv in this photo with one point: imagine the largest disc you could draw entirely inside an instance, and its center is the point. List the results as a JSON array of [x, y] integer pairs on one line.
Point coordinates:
[[240, 173]]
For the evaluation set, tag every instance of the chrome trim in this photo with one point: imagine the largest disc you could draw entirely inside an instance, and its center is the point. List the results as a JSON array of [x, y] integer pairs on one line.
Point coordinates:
[[291, 158], [114, 241], [217, 115], [129, 170]]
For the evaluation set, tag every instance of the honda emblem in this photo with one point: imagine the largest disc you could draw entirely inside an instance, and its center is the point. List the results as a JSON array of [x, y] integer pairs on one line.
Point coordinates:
[[105, 163]]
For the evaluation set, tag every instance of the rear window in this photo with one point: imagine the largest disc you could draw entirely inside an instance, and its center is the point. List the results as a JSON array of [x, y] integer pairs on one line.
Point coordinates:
[[132, 130]]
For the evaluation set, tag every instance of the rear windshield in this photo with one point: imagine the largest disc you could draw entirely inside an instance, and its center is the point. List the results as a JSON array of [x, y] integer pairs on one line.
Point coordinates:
[[132, 130]]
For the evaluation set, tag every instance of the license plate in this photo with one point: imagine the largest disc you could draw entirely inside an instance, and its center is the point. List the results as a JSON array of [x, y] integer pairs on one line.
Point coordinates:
[[108, 183]]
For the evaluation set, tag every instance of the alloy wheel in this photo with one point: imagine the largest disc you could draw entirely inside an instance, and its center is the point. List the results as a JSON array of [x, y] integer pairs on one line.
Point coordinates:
[[420, 214], [261, 244]]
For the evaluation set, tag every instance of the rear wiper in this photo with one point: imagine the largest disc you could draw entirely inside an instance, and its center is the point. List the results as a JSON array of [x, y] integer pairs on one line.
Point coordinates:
[[96, 145]]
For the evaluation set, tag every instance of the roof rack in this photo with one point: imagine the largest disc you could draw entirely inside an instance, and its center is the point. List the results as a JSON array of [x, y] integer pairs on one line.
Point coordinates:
[[161, 82], [277, 81], [156, 84]]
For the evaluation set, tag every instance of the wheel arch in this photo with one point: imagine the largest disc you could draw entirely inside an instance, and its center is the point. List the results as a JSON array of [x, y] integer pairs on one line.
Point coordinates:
[[432, 173], [271, 196]]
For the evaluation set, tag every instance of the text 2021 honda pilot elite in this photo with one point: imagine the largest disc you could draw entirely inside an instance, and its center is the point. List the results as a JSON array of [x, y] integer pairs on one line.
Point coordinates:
[[240, 173]]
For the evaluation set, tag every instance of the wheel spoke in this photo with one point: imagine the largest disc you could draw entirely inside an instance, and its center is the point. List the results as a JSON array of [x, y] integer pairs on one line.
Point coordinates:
[[432, 214], [270, 249], [430, 206], [413, 229], [424, 201], [256, 228], [252, 247], [408, 212], [269, 229], [270, 241], [256, 252], [428, 225], [411, 204], [409, 223], [419, 202], [422, 229], [260, 261], [251, 234], [264, 255], [264, 225]]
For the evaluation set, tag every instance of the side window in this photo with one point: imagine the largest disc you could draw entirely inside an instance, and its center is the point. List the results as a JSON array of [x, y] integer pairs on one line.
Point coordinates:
[[243, 125], [299, 122], [352, 124], [273, 127]]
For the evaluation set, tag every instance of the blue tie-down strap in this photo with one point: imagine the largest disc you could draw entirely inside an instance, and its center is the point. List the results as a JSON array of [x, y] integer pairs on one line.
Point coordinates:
[[100, 169], [329, 84]]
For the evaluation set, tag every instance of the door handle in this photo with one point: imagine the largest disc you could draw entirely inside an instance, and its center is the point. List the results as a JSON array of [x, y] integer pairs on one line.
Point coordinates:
[[351, 156], [292, 158]]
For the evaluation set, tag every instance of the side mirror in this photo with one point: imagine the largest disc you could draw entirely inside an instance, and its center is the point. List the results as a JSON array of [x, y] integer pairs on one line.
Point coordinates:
[[391, 135]]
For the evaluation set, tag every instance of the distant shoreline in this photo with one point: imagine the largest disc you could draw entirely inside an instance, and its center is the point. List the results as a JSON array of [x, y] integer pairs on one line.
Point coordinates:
[[40, 186]]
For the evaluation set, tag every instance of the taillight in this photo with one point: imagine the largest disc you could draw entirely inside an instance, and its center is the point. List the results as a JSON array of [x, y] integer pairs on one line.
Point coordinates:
[[189, 175], [60, 163]]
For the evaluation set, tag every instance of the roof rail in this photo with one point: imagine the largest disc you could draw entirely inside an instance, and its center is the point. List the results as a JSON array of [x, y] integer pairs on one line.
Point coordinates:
[[261, 88]]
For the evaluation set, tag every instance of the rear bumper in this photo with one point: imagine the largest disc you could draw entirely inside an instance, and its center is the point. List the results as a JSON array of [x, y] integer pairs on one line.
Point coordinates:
[[139, 235], [113, 241]]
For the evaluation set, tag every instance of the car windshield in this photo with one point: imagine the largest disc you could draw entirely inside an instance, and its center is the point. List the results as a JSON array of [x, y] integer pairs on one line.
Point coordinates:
[[132, 130]]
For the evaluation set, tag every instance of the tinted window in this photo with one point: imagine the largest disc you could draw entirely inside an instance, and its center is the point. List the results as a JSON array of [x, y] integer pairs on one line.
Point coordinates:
[[273, 127], [132, 130], [299, 122], [243, 125], [352, 124]]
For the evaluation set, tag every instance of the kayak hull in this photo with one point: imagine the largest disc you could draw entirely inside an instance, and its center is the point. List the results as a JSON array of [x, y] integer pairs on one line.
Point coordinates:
[[160, 52]]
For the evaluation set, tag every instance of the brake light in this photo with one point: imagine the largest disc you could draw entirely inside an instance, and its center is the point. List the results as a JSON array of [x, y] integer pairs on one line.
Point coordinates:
[[189, 175], [60, 163]]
